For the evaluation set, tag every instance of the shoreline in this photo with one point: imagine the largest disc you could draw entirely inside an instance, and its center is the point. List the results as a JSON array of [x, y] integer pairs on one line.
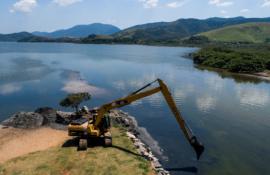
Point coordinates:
[[262, 76], [114, 44], [58, 120], [136, 134]]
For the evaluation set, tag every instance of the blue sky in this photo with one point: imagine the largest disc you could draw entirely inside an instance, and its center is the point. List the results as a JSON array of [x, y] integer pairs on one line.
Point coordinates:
[[49, 15]]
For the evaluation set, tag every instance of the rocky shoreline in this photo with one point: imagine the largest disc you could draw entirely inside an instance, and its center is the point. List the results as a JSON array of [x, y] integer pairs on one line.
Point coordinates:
[[58, 120]]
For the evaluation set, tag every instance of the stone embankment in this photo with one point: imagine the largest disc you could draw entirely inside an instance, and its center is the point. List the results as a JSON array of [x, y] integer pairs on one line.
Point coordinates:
[[59, 120], [133, 132]]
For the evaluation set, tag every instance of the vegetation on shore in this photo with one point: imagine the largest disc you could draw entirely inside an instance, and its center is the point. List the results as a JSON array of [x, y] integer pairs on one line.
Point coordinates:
[[245, 58], [121, 158], [240, 48]]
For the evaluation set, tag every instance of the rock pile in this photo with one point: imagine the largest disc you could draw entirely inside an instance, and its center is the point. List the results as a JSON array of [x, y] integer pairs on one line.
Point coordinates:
[[125, 120], [24, 120], [41, 117]]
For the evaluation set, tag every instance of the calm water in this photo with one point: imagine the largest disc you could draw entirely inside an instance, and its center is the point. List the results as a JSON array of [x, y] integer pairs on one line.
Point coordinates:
[[231, 115]]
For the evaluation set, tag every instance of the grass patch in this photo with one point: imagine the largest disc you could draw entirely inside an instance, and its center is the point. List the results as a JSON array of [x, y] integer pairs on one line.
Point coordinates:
[[122, 158], [249, 32]]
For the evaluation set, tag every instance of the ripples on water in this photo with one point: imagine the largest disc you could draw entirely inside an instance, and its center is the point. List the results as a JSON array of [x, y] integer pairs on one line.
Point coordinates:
[[229, 113]]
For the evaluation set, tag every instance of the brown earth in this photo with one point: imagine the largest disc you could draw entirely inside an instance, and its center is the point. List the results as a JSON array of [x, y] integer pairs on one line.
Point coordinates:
[[17, 142]]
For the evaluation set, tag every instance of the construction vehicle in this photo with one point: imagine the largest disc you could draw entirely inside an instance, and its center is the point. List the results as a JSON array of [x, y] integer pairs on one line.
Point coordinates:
[[97, 122]]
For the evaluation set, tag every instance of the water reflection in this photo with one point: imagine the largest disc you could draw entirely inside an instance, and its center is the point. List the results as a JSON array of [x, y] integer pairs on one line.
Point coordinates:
[[20, 69], [238, 78], [215, 82], [9, 88], [155, 100], [252, 96], [44, 73], [206, 103], [179, 95], [76, 84]]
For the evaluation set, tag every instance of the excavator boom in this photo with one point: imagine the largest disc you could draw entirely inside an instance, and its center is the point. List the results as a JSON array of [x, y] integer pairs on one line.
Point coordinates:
[[141, 93]]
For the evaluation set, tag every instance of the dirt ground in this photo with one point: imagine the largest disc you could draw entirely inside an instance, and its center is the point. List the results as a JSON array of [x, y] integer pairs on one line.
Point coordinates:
[[17, 142]]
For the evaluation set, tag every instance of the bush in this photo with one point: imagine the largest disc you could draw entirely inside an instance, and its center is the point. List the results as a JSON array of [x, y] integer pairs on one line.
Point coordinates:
[[267, 64], [249, 59], [246, 65]]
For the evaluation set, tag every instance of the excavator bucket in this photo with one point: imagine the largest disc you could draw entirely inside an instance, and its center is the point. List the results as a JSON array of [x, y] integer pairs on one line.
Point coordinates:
[[197, 146]]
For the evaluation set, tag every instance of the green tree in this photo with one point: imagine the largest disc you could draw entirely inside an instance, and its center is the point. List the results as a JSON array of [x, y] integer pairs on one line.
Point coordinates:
[[74, 100]]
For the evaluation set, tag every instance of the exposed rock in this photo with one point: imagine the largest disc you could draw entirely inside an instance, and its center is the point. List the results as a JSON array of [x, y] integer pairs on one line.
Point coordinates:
[[45, 116], [24, 120], [48, 113], [123, 119], [63, 117]]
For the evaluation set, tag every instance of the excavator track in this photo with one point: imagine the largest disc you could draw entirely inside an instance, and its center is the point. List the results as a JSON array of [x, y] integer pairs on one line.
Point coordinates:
[[82, 144], [107, 141]]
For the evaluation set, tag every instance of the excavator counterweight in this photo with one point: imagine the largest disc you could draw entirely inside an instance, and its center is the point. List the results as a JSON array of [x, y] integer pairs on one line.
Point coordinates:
[[98, 124]]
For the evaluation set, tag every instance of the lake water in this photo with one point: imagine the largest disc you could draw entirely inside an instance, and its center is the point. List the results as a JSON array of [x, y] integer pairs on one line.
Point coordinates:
[[230, 114]]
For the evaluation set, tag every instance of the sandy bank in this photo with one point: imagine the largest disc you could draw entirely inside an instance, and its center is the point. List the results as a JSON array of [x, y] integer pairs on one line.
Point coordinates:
[[17, 142]]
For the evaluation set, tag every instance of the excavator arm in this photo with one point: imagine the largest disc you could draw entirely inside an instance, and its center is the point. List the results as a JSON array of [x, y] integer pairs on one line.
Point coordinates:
[[139, 94]]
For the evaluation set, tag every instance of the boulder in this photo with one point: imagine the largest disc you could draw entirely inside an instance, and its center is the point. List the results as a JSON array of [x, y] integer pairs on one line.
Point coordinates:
[[63, 117], [25, 120], [48, 113]]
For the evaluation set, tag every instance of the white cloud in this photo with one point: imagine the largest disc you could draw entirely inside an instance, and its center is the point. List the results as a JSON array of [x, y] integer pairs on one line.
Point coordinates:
[[252, 96], [77, 86], [179, 95], [266, 3], [223, 12], [221, 3], [9, 89], [149, 3], [24, 6], [176, 4], [66, 2], [244, 10], [215, 82], [206, 103], [155, 100]]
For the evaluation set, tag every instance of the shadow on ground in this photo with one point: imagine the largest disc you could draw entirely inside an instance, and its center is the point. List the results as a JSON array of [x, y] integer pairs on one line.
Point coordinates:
[[96, 142]]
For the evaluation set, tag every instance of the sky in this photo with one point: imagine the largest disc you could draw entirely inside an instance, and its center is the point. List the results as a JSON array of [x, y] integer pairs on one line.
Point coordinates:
[[50, 15]]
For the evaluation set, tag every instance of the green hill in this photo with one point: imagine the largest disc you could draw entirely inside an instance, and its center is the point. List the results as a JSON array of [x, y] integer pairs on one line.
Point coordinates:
[[179, 29], [249, 32], [14, 36], [79, 31]]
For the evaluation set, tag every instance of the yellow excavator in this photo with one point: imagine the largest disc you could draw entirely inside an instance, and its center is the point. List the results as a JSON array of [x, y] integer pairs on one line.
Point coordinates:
[[96, 122]]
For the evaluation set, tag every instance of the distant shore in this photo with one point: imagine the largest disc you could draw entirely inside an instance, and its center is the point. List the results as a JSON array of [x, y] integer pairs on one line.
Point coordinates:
[[243, 77], [243, 59]]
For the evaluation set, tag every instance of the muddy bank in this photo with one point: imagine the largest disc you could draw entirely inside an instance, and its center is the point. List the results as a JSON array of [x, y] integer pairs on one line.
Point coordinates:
[[26, 122]]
